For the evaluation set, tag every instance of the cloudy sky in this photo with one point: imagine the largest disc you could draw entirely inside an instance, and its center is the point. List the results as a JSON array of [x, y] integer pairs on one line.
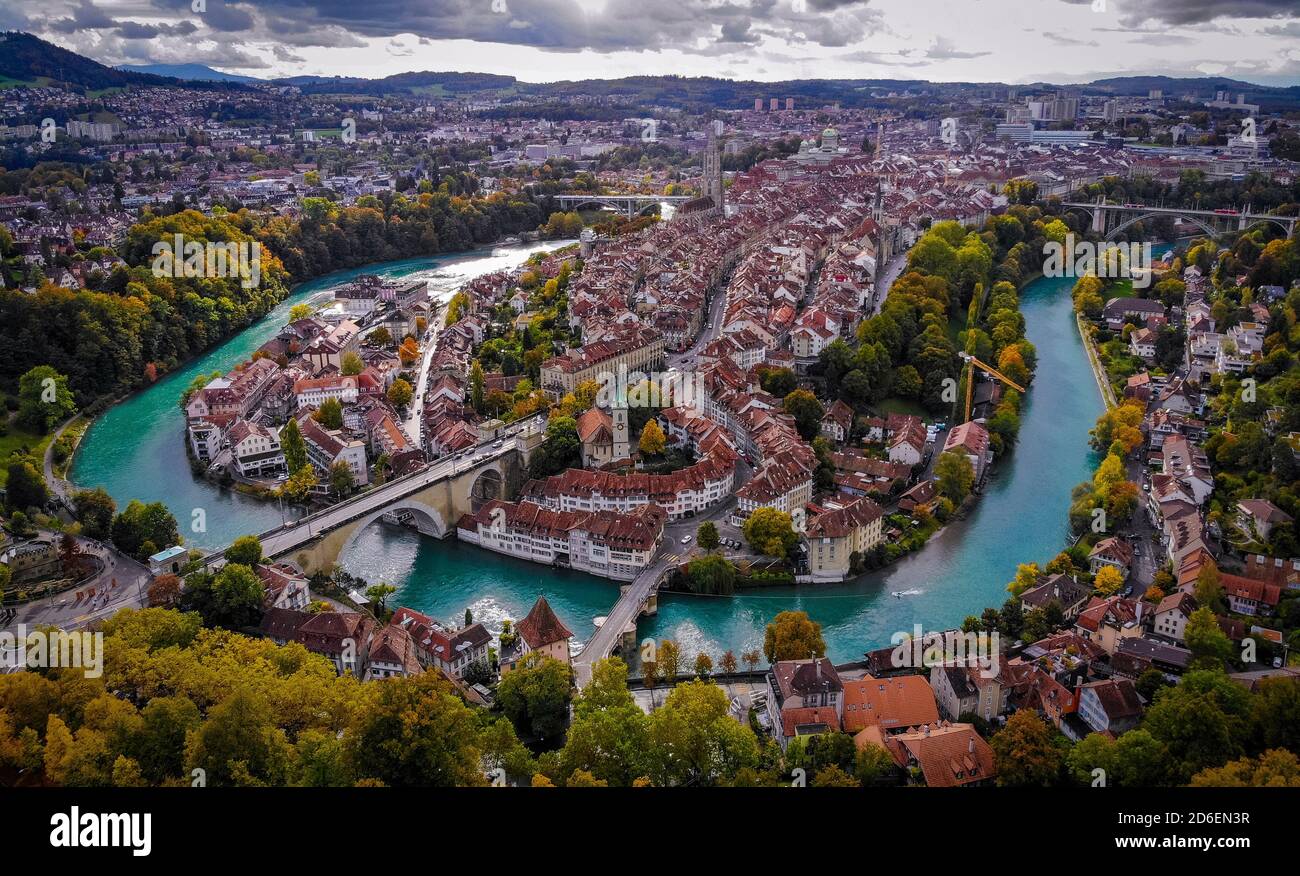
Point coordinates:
[[546, 40]]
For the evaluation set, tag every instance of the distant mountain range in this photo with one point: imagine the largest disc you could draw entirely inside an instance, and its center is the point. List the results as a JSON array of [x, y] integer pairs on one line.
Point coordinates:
[[194, 72], [27, 58]]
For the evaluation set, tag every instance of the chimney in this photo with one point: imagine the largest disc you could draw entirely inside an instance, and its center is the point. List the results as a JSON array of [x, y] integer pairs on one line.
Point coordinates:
[[818, 664], [970, 746]]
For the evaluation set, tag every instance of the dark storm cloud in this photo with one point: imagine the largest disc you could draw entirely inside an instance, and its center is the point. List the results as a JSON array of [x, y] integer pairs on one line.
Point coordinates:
[[219, 15], [1179, 12], [87, 16], [134, 30], [556, 25]]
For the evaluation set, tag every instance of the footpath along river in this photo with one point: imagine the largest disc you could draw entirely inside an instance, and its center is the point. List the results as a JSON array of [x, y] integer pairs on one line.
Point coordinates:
[[135, 451]]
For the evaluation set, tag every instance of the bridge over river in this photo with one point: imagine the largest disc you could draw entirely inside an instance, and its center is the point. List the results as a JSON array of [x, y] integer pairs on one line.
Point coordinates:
[[434, 498], [1112, 219], [629, 205]]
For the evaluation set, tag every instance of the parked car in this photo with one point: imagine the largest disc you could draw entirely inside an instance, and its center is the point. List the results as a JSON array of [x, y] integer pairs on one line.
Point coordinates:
[[686, 539]]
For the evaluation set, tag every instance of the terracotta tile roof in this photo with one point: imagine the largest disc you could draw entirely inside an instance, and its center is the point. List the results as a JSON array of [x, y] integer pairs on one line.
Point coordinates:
[[903, 701], [812, 717], [949, 755], [540, 627]]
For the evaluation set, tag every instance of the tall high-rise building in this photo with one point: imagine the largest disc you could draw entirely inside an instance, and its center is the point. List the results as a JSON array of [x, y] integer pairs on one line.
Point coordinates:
[[713, 166], [775, 104], [758, 104], [789, 103]]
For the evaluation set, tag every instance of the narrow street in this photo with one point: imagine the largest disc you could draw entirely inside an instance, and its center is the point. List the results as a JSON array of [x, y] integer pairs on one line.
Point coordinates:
[[413, 425]]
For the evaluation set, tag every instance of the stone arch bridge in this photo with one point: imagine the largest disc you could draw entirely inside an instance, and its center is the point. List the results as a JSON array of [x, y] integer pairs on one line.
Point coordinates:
[[431, 499]]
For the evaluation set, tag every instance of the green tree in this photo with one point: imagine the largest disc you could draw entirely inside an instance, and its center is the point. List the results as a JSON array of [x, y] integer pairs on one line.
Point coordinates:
[[559, 450], [1028, 752], [342, 480], [237, 597], [300, 484], [400, 393], [792, 635], [807, 412], [1209, 645], [140, 527], [416, 733], [778, 382], [694, 740], [476, 382], [245, 550], [94, 510], [352, 365], [1203, 721], [712, 574], [1208, 589], [1275, 768], [25, 487], [875, 767], [770, 532], [608, 737], [44, 399], [294, 446], [833, 776], [239, 744], [329, 414], [535, 696], [706, 535], [379, 593], [955, 476]]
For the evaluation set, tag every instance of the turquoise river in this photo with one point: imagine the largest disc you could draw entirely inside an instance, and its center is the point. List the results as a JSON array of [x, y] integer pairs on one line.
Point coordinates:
[[135, 450]]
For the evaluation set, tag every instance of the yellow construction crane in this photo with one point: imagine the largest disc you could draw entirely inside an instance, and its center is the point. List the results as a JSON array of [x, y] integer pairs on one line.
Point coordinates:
[[971, 362]]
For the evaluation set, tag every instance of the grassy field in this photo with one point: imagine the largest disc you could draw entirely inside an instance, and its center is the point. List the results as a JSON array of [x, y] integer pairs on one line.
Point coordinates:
[[1119, 289], [16, 440], [903, 406]]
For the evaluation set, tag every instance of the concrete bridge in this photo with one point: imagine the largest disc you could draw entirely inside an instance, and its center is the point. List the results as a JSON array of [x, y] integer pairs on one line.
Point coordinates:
[[1112, 219], [629, 205], [640, 596], [433, 499]]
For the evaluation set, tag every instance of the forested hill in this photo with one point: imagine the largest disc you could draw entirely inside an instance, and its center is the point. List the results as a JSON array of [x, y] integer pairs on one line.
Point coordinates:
[[30, 59]]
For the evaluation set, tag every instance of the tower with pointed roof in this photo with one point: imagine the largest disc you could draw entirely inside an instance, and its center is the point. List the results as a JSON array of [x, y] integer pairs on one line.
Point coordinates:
[[540, 631]]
